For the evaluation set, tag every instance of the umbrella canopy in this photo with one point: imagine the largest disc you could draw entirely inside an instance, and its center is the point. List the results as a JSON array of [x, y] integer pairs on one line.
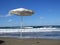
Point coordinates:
[[21, 12]]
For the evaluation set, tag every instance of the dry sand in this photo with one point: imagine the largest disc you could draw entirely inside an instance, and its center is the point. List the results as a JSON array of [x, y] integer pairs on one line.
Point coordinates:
[[15, 41]]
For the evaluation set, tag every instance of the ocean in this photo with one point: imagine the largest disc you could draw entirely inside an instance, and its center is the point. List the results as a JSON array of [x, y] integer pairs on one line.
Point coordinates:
[[47, 33]]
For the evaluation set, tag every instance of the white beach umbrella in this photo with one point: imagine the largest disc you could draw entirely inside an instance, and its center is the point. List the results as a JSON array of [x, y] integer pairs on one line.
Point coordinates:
[[21, 12]]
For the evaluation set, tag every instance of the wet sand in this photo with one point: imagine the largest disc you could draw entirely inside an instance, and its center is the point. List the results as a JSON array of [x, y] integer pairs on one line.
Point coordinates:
[[15, 41]]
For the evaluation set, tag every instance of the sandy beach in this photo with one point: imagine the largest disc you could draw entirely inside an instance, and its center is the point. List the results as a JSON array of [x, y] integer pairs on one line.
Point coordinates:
[[15, 41]]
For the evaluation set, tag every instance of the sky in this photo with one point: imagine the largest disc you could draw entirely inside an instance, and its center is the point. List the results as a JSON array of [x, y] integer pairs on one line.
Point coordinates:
[[46, 12]]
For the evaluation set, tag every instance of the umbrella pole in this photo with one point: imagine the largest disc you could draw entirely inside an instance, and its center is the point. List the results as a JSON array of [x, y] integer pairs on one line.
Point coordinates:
[[21, 26]]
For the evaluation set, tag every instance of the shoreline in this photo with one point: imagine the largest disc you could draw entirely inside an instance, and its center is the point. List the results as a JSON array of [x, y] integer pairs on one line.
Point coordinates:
[[29, 41]]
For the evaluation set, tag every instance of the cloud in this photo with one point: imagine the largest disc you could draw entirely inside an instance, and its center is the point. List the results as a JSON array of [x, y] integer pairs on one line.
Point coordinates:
[[50, 10], [5, 15], [41, 17], [2, 16], [10, 20]]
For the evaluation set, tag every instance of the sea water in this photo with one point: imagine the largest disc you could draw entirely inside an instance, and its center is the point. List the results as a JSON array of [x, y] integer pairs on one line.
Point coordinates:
[[31, 33]]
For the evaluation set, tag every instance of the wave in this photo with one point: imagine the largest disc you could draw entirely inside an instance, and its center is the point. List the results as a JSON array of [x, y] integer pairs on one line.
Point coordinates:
[[30, 30]]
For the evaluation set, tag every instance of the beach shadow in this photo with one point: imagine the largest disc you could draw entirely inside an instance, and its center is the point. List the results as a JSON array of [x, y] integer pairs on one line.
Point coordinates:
[[2, 42], [38, 42]]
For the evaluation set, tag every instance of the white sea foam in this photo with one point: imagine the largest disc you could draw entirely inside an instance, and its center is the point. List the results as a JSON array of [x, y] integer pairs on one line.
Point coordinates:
[[29, 30]]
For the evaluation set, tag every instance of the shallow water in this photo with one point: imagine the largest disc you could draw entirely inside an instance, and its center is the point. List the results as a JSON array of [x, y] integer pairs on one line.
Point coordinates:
[[49, 35]]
